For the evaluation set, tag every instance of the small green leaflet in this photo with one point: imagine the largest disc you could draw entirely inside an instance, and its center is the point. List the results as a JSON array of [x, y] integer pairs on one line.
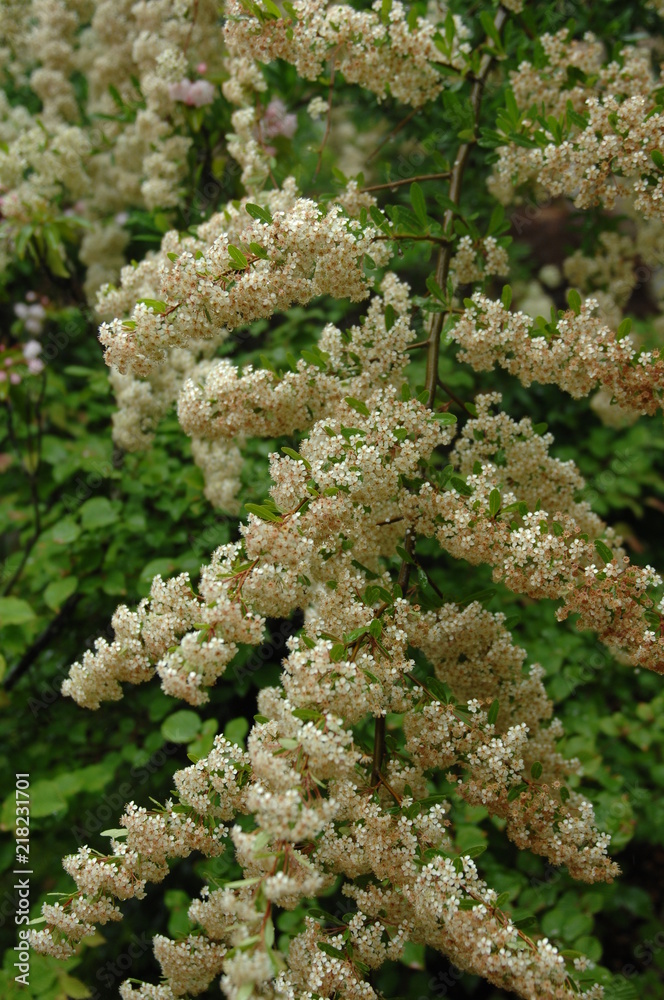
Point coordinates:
[[445, 418], [492, 714], [419, 204], [536, 770], [358, 405], [258, 251], [574, 300], [506, 297], [406, 556], [155, 304], [238, 259], [603, 550], [657, 158], [330, 950], [295, 455], [624, 328], [272, 8], [260, 510], [515, 792], [437, 689], [436, 290], [259, 213], [458, 484], [495, 502]]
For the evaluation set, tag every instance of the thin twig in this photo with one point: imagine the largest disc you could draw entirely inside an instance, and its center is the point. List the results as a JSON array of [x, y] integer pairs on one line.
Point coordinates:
[[328, 119], [31, 654], [415, 238], [407, 180], [390, 135], [454, 397], [445, 255], [194, 15]]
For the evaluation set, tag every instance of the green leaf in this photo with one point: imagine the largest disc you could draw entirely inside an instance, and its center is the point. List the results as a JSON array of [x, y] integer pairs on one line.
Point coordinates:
[[272, 8], [445, 418], [390, 317], [97, 513], [406, 556], [474, 851], [330, 950], [357, 404], [506, 297], [181, 727], [238, 259], [65, 532], [258, 251], [436, 290], [58, 591], [574, 300], [295, 455], [261, 510], [73, 988], [603, 550], [536, 770], [236, 730], [462, 487], [155, 304], [376, 628], [14, 611], [258, 212], [624, 328], [437, 689], [419, 204], [492, 714], [657, 158], [495, 502], [621, 989], [308, 714]]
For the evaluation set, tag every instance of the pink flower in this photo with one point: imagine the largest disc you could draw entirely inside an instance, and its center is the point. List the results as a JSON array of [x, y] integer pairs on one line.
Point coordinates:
[[277, 121], [35, 365], [201, 68], [194, 94], [14, 378]]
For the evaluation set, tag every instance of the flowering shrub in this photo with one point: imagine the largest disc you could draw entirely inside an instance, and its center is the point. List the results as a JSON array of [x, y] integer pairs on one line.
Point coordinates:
[[217, 191]]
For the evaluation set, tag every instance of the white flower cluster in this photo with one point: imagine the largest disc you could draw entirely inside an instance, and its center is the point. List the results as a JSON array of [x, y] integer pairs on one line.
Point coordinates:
[[203, 287], [383, 55], [575, 73], [129, 145], [307, 805], [545, 554], [318, 808], [577, 352]]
